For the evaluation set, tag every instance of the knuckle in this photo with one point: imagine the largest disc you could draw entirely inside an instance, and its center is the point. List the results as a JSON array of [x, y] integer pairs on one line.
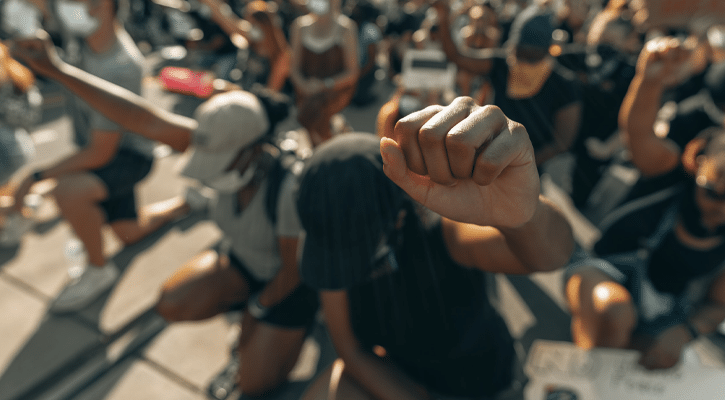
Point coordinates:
[[465, 102], [458, 143], [430, 135]]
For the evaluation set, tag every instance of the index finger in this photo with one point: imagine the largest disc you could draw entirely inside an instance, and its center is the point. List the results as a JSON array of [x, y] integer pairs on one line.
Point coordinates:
[[405, 134], [468, 138]]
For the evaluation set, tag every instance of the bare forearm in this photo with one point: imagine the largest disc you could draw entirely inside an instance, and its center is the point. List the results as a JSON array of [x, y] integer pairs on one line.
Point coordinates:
[[639, 112], [131, 111], [383, 380], [545, 242]]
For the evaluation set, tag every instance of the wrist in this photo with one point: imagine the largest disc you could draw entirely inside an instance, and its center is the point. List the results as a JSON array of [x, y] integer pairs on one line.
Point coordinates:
[[255, 307]]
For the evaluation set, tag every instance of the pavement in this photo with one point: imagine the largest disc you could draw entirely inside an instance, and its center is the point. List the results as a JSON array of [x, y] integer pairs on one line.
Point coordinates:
[[119, 348]]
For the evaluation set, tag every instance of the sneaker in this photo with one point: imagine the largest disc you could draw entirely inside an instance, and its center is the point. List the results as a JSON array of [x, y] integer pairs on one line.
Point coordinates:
[[85, 287], [196, 200], [15, 227]]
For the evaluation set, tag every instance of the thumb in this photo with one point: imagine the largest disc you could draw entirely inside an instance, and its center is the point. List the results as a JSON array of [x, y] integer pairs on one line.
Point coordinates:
[[397, 170]]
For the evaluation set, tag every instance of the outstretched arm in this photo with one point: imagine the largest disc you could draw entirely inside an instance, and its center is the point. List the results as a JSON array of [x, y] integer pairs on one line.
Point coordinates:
[[130, 111], [476, 167]]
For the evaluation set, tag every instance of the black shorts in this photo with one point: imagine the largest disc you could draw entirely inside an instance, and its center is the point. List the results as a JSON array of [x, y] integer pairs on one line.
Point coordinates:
[[120, 177], [298, 310]]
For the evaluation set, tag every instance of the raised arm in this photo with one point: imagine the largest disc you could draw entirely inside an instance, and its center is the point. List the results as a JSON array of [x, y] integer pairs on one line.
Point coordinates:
[[657, 65], [477, 61], [130, 111], [476, 167]]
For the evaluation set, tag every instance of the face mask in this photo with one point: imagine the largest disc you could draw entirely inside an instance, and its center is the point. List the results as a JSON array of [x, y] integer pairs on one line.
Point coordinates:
[[232, 181], [318, 7], [75, 18]]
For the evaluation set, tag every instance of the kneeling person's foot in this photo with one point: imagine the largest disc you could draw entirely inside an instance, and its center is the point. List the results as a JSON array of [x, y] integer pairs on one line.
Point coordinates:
[[83, 289]]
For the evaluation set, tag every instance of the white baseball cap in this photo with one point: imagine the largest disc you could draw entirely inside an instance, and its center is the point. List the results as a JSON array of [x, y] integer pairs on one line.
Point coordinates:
[[228, 123]]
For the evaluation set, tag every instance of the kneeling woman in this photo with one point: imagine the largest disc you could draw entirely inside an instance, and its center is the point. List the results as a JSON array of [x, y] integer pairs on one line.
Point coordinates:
[[230, 151]]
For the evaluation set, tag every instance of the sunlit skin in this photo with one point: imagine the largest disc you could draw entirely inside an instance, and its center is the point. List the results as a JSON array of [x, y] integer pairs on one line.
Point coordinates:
[[712, 172]]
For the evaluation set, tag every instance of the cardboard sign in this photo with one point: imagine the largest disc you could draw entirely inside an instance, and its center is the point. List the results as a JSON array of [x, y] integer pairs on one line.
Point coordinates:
[[427, 69], [682, 13], [562, 371]]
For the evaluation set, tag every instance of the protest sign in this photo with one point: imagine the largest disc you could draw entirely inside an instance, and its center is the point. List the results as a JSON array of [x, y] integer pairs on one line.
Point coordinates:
[[563, 371], [683, 13]]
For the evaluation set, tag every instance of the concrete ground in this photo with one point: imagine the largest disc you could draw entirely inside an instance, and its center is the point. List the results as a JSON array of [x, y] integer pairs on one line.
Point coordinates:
[[119, 348]]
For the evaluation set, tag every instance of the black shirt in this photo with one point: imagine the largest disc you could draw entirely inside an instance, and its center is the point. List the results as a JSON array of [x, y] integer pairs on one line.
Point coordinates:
[[537, 112], [432, 316], [671, 265]]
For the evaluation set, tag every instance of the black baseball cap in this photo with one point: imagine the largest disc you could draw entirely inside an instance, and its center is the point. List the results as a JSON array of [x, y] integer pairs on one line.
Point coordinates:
[[532, 28], [347, 206]]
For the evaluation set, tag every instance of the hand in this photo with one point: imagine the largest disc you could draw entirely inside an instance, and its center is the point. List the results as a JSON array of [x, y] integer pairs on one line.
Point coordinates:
[[667, 348], [663, 60], [21, 191], [468, 163], [38, 53]]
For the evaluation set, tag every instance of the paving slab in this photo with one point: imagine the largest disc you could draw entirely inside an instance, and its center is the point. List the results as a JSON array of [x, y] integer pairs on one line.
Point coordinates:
[[22, 312], [40, 260], [58, 344], [195, 351], [146, 266], [138, 380]]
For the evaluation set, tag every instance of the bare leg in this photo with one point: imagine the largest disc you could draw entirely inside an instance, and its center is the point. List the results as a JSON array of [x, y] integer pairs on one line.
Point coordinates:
[[603, 314], [267, 354], [204, 287], [150, 218], [333, 384], [78, 196]]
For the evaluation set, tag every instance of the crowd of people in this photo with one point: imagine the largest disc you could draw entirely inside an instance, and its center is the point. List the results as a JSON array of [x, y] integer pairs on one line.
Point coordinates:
[[391, 236]]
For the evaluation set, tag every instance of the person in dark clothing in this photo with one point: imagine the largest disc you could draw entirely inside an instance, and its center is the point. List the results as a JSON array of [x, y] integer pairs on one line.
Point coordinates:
[[527, 84], [401, 253], [657, 156], [657, 279]]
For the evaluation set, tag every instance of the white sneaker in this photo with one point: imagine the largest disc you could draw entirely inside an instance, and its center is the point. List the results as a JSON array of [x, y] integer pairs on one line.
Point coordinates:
[[13, 230], [84, 288], [196, 200]]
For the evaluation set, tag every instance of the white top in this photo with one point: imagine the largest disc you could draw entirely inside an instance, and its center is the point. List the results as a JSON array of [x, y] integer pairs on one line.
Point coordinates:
[[252, 238]]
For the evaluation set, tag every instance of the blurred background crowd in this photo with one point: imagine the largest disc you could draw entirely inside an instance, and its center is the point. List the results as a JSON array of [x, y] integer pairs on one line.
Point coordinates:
[[623, 102]]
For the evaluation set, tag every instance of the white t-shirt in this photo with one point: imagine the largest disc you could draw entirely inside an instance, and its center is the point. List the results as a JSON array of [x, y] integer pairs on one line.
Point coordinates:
[[253, 239]]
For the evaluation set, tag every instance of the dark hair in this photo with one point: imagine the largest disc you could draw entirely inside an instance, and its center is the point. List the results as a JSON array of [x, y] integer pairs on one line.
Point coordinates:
[[276, 105]]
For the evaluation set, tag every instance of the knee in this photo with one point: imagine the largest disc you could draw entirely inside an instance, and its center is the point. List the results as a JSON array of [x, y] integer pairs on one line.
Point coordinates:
[[170, 307], [614, 309]]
